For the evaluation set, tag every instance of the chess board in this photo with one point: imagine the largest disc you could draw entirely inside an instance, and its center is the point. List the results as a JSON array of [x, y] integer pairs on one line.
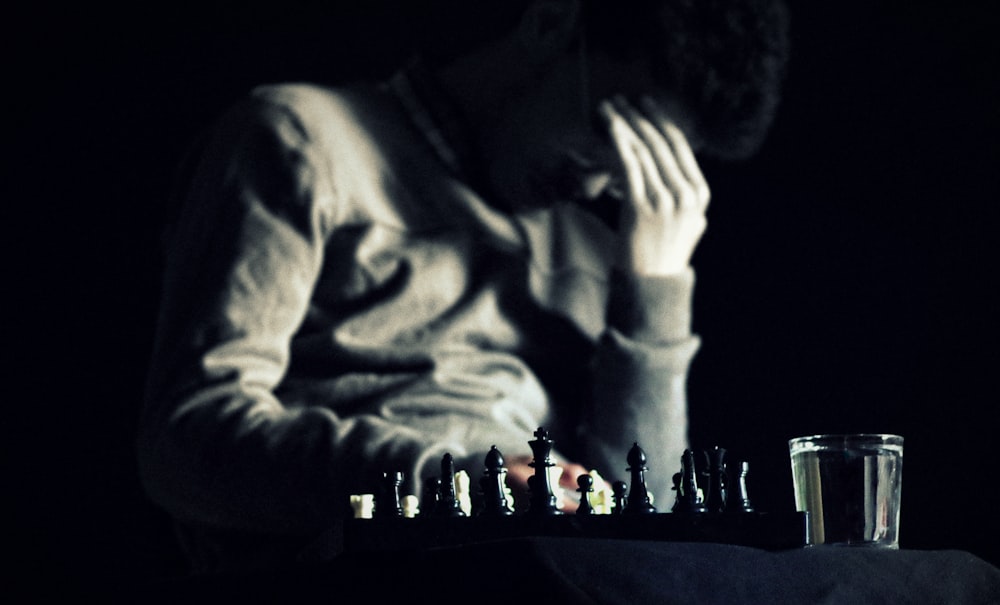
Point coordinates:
[[717, 510], [770, 531]]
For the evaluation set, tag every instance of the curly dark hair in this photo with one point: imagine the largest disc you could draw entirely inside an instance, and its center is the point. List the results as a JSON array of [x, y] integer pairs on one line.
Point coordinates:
[[725, 60]]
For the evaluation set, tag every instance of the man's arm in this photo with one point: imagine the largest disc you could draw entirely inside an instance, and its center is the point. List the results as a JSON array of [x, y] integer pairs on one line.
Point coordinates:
[[217, 447], [643, 358]]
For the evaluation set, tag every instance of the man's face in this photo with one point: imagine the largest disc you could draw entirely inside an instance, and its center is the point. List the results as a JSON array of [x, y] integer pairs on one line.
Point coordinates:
[[555, 146]]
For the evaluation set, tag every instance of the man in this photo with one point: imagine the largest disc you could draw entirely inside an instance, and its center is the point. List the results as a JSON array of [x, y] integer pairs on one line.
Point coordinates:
[[365, 278]]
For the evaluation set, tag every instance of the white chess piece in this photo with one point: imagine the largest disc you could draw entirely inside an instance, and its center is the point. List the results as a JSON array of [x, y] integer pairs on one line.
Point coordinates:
[[555, 472], [411, 506], [603, 497], [507, 492], [363, 505], [462, 492]]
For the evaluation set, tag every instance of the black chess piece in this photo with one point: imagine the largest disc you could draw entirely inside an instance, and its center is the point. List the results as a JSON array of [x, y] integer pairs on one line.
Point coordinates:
[[586, 487], [742, 495], [448, 504], [618, 489], [387, 501], [718, 482], [494, 503], [638, 496], [676, 487], [680, 479], [542, 500], [702, 466], [688, 500], [430, 497]]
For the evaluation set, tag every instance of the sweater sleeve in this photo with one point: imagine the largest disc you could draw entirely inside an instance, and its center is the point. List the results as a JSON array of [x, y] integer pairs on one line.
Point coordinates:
[[640, 376], [217, 447]]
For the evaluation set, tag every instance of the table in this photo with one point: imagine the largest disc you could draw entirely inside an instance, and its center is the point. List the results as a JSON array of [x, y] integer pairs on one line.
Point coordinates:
[[628, 572]]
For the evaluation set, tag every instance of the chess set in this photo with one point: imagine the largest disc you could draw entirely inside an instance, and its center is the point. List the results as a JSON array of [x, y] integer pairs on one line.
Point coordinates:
[[709, 506]]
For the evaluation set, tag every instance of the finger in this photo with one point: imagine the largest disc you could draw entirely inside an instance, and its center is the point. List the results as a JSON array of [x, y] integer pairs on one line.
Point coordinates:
[[682, 148], [666, 164], [624, 139], [518, 470], [655, 192], [658, 194]]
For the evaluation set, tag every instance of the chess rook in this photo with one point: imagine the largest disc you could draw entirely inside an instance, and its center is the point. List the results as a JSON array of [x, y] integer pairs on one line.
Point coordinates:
[[363, 505]]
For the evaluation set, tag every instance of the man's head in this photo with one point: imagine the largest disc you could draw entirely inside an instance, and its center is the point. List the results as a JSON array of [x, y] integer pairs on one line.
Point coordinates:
[[722, 61]]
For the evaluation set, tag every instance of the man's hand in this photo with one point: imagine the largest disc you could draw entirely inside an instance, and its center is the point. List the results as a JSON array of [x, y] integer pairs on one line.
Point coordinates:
[[519, 469], [663, 217]]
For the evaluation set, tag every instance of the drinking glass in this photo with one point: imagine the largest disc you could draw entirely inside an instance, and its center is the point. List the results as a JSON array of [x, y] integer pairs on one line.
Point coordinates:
[[850, 486]]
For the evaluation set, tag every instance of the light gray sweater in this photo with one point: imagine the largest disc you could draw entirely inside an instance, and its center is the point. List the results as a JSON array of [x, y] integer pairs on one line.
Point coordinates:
[[339, 302]]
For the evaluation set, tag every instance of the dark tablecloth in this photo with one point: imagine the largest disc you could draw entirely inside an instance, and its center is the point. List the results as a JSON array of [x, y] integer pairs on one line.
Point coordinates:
[[579, 571]]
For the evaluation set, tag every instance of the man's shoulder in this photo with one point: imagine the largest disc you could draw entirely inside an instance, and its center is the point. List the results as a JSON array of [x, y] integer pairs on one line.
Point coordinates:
[[344, 117], [323, 104], [305, 94]]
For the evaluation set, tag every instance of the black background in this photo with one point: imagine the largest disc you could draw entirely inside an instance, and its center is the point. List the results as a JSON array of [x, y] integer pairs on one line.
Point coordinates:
[[846, 282]]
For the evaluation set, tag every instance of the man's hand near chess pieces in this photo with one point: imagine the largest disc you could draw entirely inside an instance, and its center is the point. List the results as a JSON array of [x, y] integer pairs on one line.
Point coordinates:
[[519, 470]]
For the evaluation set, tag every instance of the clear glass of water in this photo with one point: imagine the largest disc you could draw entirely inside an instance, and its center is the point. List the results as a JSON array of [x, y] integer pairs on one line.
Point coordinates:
[[850, 485]]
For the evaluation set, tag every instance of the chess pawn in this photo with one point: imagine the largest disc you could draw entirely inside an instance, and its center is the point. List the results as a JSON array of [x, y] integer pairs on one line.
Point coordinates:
[[387, 503], [448, 504], [586, 487], [495, 502], [411, 506], [718, 484], [638, 497], [619, 498], [542, 500], [742, 496]]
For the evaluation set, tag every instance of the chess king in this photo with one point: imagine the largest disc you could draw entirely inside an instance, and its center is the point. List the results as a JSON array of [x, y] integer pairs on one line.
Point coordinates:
[[499, 236]]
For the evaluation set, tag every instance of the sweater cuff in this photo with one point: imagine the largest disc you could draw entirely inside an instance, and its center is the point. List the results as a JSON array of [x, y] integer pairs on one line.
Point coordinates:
[[651, 309]]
